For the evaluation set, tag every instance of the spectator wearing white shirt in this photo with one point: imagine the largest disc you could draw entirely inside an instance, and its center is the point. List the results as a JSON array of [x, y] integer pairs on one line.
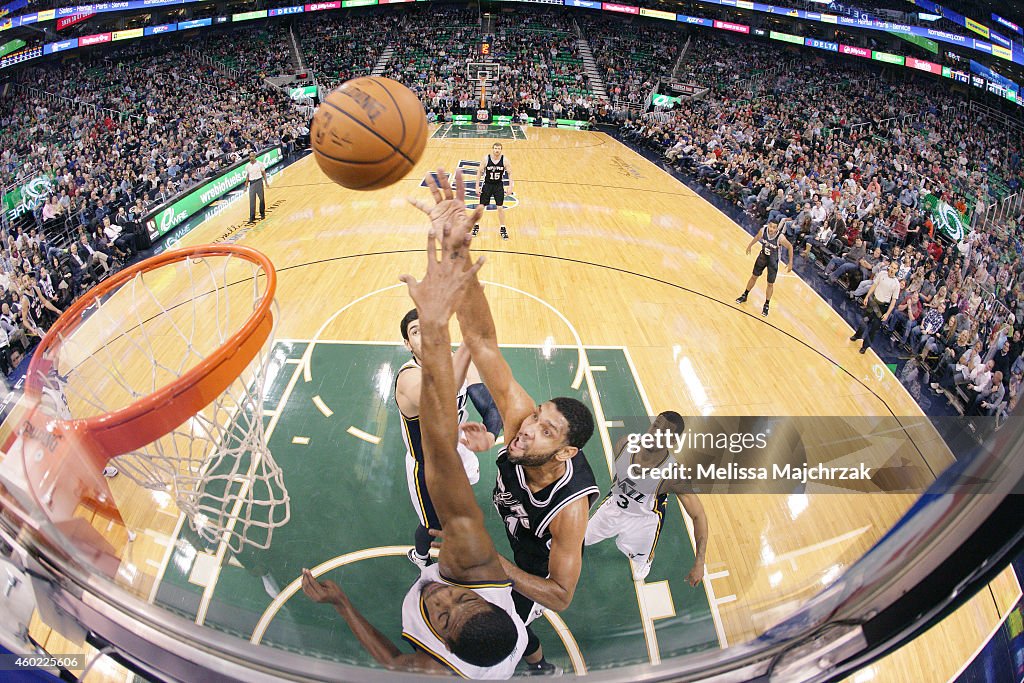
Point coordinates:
[[884, 293]]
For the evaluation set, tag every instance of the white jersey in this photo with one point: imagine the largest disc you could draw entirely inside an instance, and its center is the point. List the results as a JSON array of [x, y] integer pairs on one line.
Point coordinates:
[[636, 496], [417, 629], [415, 469]]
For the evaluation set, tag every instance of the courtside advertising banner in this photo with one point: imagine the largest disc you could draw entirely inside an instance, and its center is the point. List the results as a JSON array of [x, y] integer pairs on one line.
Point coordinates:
[[181, 209]]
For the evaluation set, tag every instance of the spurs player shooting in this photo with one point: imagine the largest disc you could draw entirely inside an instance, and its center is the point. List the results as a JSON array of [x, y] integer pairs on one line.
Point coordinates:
[[545, 486], [634, 510], [491, 184], [475, 438], [771, 238], [459, 615]]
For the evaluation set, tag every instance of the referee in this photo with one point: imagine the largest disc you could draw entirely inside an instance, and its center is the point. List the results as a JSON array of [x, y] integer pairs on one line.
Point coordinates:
[[255, 179]]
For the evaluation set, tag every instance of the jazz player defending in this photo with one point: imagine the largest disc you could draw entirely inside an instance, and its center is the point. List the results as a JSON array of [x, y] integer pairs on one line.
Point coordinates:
[[634, 510], [771, 238], [492, 173], [545, 486], [459, 614], [474, 437]]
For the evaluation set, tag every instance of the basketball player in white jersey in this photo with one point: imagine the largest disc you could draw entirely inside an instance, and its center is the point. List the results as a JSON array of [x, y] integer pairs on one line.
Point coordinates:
[[459, 615], [772, 239], [634, 510], [474, 437], [544, 487], [490, 183]]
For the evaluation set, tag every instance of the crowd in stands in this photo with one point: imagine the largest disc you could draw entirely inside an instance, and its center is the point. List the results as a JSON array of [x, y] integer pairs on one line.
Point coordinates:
[[118, 142], [632, 60], [431, 57], [850, 164], [338, 48], [846, 159], [540, 68]]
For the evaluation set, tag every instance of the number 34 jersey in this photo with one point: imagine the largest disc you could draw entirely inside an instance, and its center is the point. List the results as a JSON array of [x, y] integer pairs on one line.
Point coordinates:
[[528, 514]]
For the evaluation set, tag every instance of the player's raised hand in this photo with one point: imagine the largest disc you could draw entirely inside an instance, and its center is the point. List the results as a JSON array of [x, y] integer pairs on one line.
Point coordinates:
[[438, 294], [325, 592], [449, 208]]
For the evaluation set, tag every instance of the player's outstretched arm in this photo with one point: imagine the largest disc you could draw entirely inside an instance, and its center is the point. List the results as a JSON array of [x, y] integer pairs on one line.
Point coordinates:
[[468, 553], [373, 641], [474, 314]]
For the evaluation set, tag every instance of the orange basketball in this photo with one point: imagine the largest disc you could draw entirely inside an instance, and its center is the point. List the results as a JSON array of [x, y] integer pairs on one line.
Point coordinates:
[[368, 133]]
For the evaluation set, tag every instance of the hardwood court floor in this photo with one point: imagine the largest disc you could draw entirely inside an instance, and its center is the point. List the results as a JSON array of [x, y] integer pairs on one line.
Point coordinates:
[[607, 250]]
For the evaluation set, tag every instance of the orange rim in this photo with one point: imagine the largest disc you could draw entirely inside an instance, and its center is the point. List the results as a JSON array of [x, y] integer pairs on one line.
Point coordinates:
[[156, 414]]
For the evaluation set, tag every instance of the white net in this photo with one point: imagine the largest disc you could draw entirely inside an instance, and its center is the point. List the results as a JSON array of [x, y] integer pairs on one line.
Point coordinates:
[[151, 331]]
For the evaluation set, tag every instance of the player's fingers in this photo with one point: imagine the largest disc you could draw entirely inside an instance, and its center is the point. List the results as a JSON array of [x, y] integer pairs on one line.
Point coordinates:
[[477, 213], [460, 185], [409, 281], [436, 533], [434, 189], [431, 248], [446, 183], [476, 266], [419, 205]]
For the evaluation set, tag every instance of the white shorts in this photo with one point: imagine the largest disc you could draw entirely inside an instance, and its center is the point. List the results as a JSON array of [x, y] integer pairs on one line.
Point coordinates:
[[417, 481], [636, 535]]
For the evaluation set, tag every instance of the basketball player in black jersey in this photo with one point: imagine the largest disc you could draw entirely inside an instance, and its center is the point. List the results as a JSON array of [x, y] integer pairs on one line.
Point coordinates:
[[771, 238], [545, 487], [491, 184]]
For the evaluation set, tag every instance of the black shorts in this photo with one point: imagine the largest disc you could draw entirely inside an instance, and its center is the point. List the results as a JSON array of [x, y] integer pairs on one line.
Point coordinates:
[[495, 191], [772, 264]]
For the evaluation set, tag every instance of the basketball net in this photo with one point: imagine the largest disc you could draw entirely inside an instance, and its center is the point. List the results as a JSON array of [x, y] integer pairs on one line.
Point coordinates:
[[161, 370]]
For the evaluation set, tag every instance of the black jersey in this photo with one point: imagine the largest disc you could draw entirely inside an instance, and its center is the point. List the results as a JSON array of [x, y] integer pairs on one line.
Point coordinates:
[[770, 245], [528, 514], [494, 171]]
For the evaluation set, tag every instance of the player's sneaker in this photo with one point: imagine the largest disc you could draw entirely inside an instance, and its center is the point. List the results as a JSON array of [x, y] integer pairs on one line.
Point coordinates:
[[741, 299], [476, 230], [641, 570], [543, 668], [504, 233], [764, 311], [109, 471], [421, 562]]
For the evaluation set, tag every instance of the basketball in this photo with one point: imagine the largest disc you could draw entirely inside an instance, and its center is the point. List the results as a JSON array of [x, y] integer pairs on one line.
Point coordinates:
[[368, 133]]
